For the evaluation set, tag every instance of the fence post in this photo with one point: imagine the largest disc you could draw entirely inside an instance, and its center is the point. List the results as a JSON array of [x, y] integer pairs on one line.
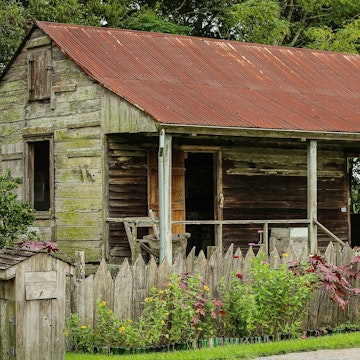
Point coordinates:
[[79, 265]]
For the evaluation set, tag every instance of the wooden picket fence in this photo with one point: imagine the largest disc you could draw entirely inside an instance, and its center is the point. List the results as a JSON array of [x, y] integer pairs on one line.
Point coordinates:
[[124, 287]]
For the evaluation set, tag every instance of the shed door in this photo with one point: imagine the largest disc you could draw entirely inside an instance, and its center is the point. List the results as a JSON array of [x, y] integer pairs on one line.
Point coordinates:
[[178, 187], [7, 329]]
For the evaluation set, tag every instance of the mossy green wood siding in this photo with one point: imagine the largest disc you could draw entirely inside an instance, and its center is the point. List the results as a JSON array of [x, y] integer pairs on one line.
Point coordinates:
[[72, 118]]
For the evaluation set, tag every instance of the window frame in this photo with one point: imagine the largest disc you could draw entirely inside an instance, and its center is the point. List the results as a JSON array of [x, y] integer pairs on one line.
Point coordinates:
[[29, 175]]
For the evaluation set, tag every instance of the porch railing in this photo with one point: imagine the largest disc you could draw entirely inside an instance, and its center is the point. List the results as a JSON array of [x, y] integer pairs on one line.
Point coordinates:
[[266, 223]]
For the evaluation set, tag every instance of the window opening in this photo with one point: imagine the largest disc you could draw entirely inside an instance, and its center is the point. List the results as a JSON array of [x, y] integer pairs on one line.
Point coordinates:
[[40, 170]]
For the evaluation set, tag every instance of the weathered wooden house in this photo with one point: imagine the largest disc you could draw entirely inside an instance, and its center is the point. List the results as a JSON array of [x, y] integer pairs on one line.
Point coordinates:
[[244, 142]]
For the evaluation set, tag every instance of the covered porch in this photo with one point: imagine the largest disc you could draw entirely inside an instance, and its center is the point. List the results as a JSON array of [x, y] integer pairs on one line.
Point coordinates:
[[225, 190]]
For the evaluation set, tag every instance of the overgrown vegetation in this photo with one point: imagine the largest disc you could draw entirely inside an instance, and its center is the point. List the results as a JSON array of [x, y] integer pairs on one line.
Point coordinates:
[[15, 216], [270, 303]]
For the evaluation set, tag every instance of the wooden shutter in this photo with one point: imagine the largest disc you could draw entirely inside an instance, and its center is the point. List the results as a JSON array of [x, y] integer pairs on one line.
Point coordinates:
[[177, 184], [39, 74]]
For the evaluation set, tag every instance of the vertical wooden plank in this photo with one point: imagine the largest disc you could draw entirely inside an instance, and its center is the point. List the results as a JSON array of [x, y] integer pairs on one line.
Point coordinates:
[[104, 285], [312, 193], [190, 261], [123, 292], [151, 274], [167, 199], [85, 301], [201, 264], [139, 285], [179, 264], [248, 258], [219, 201], [163, 273]]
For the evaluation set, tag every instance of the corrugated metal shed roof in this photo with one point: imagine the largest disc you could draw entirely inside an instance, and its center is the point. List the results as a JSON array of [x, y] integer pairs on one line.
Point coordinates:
[[207, 82]]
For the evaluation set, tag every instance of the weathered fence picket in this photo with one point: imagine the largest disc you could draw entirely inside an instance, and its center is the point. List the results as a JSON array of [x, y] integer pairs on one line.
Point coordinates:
[[131, 284]]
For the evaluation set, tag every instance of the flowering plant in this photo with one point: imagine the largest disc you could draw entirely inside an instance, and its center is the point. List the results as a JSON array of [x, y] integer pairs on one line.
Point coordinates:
[[111, 330], [82, 337], [181, 311]]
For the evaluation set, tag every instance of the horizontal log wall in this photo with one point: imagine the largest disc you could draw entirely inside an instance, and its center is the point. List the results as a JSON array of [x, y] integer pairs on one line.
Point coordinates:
[[266, 179]]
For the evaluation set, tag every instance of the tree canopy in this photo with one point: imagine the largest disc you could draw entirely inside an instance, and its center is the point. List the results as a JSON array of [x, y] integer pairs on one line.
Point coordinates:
[[320, 24]]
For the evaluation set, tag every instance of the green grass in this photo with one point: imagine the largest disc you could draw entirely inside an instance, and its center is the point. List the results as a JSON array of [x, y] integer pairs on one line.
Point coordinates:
[[244, 351]]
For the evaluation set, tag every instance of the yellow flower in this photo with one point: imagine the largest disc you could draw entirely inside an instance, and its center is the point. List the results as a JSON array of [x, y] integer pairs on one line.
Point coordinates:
[[122, 329], [169, 284], [110, 312], [161, 292], [129, 321], [83, 327], [103, 303], [206, 288], [166, 314], [285, 255], [167, 336], [148, 299], [162, 322], [199, 329]]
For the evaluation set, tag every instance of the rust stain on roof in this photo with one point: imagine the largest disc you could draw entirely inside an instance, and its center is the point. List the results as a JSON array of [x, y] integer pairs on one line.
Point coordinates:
[[207, 82]]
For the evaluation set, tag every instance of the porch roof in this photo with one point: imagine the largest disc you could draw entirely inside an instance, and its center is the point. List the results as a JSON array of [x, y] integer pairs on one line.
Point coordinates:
[[200, 82]]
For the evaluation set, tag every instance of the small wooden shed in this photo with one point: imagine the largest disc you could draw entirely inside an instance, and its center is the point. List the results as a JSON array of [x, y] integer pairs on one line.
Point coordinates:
[[32, 305]]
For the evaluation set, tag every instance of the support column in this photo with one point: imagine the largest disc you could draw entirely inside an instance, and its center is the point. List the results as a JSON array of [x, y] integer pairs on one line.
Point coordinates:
[[312, 194], [165, 232]]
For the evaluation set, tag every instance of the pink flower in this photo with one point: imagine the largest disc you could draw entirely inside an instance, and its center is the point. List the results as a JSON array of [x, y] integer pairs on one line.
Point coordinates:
[[218, 302], [303, 336], [252, 244]]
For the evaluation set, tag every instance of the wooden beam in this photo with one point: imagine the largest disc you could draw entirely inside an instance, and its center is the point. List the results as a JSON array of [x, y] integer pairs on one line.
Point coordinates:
[[165, 197], [312, 194]]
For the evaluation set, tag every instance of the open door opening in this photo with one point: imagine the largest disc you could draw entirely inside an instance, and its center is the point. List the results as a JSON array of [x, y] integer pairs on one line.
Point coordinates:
[[354, 184], [199, 199]]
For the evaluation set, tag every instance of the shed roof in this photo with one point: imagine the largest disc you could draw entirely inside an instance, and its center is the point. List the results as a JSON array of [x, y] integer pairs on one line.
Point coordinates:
[[183, 80], [11, 257]]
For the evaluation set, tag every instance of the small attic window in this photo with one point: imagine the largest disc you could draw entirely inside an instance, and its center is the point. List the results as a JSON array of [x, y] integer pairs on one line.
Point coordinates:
[[39, 73]]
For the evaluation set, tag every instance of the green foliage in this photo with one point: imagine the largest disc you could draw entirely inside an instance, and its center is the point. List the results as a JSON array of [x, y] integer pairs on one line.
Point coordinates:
[[239, 307], [271, 302], [12, 29], [258, 22], [15, 216], [82, 337], [281, 297], [148, 20]]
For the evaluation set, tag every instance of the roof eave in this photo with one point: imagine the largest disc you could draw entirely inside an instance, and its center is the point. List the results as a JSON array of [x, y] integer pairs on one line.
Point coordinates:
[[259, 132]]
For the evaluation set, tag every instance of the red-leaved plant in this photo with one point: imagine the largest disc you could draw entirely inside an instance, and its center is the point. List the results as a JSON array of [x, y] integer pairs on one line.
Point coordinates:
[[39, 245], [334, 279]]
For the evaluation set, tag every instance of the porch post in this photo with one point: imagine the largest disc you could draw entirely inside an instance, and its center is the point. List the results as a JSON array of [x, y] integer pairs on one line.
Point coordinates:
[[312, 194], [165, 233]]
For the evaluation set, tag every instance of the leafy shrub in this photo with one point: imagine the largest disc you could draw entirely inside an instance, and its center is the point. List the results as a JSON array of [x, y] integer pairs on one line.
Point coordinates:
[[271, 301], [15, 216]]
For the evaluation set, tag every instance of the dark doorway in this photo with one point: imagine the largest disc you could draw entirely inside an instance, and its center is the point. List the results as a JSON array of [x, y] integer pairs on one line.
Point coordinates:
[[199, 199]]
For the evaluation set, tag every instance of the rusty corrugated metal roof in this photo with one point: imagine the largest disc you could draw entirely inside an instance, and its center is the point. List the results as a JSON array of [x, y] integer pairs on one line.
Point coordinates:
[[207, 82]]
